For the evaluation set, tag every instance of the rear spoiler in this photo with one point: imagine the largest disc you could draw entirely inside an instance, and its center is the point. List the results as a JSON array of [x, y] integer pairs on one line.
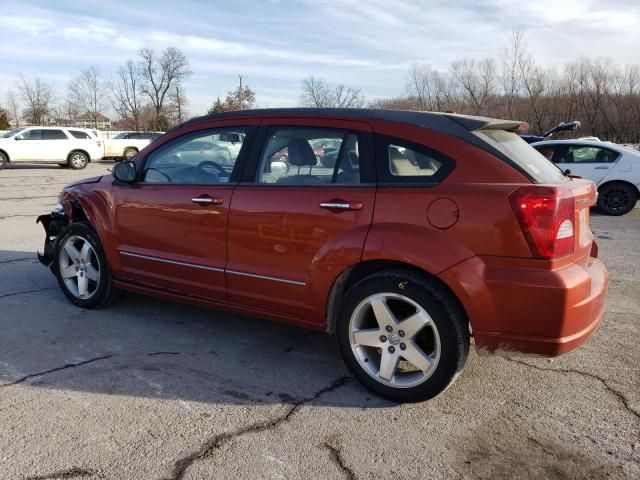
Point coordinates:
[[472, 123]]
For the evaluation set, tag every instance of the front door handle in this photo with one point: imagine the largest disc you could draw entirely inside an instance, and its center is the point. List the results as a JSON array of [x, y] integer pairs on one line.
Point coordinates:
[[602, 168], [206, 200], [339, 205]]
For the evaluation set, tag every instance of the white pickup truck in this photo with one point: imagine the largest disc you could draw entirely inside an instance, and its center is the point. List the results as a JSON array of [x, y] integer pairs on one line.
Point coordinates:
[[126, 145]]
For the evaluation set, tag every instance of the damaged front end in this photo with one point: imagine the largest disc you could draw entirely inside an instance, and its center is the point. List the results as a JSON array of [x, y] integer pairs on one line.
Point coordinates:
[[53, 224]]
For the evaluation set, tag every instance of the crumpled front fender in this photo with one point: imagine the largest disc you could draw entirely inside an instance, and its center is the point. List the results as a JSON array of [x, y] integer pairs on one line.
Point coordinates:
[[53, 224]]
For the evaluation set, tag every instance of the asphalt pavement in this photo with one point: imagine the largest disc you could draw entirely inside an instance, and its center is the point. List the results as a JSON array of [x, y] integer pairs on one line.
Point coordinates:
[[148, 389]]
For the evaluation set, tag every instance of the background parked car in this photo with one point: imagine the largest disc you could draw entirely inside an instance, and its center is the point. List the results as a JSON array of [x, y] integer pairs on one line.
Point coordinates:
[[73, 147], [613, 168], [561, 127], [127, 144]]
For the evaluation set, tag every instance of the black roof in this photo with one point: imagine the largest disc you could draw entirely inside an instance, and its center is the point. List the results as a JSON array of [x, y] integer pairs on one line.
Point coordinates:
[[445, 122]]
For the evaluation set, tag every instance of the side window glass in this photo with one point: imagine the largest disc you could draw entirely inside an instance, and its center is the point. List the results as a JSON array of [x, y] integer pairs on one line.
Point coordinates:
[[310, 156], [405, 162], [79, 134], [195, 158], [53, 135], [31, 135], [547, 152], [585, 154]]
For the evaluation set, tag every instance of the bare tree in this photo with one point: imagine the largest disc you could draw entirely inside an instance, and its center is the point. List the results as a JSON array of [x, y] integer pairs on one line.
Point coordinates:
[[159, 75], [477, 80], [14, 107], [126, 93], [177, 105], [512, 56], [88, 93], [38, 97], [318, 93]]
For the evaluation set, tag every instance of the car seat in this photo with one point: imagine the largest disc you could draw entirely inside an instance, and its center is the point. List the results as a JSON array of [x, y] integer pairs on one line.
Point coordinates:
[[300, 155]]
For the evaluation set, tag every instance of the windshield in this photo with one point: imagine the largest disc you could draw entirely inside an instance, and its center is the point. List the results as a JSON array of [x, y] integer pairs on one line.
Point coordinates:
[[121, 135], [524, 155], [12, 132]]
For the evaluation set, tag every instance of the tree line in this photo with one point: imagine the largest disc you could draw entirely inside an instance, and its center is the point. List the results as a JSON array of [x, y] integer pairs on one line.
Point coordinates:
[[604, 96], [147, 93]]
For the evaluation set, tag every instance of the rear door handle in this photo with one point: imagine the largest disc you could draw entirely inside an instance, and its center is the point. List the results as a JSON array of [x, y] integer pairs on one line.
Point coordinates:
[[602, 168], [206, 200], [341, 205]]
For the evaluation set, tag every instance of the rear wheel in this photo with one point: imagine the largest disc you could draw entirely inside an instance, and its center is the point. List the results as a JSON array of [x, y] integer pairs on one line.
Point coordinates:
[[77, 160], [617, 198], [81, 267], [402, 335], [3, 160]]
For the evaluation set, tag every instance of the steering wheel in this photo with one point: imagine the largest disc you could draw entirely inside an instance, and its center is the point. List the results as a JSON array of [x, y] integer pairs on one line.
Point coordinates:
[[209, 163]]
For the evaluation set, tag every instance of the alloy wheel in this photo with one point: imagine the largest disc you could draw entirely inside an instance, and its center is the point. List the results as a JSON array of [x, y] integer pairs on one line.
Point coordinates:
[[78, 160], [79, 267], [617, 199], [394, 340]]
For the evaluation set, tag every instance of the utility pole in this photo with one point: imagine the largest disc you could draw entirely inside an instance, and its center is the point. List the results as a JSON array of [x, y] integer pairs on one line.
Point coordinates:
[[240, 94]]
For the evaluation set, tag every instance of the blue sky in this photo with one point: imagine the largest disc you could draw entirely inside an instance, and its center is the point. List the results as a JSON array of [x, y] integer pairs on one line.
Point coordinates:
[[369, 44]]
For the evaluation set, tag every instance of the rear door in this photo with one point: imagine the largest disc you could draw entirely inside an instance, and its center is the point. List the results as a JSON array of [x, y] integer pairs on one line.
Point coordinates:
[[295, 223], [587, 161], [55, 145]]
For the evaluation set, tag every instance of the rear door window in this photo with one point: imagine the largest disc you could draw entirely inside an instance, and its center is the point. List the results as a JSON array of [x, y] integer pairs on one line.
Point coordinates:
[[53, 135], [310, 156], [538, 167], [588, 154]]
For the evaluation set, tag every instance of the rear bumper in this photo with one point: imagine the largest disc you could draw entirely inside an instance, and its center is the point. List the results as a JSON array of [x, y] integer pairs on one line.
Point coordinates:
[[531, 311]]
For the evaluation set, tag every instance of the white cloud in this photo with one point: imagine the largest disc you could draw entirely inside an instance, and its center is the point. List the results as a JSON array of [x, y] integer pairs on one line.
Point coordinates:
[[367, 44]]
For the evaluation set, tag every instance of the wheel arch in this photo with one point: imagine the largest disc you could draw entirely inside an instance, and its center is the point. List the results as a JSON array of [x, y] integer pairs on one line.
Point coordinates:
[[6, 154], [354, 273], [86, 207], [619, 180]]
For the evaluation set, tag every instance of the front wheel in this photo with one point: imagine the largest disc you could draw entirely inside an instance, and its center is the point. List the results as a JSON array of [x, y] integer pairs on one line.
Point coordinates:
[[78, 160], [81, 267], [402, 335], [617, 198]]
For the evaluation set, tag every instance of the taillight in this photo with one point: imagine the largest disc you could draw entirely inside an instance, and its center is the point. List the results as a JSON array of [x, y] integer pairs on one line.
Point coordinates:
[[547, 218]]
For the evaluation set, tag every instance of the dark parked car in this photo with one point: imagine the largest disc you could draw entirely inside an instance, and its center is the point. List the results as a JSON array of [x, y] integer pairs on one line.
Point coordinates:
[[427, 228]]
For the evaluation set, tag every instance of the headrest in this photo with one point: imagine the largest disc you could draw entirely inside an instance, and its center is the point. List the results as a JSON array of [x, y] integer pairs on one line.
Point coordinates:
[[300, 153]]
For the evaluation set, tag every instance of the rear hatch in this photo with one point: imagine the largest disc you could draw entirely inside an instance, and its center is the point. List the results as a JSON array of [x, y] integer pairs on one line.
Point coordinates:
[[553, 211]]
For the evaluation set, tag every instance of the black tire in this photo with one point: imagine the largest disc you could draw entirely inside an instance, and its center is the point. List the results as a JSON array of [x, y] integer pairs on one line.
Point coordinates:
[[129, 153], [77, 160], [617, 198], [104, 292], [446, 314], [3, 160]]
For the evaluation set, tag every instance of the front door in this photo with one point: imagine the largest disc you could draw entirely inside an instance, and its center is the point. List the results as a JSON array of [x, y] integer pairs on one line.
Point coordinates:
[[29, 145], [300, 216], [172, 225]]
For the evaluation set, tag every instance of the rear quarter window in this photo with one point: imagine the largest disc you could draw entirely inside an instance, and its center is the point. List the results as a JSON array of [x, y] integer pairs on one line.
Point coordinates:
[[403, 162], [539, 168]]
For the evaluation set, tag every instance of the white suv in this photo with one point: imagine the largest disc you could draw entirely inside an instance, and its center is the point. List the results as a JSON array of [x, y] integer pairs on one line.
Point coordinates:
[[73, 147]]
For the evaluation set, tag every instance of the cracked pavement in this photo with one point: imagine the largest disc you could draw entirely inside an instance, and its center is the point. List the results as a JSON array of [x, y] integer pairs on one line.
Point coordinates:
[[147, 389]]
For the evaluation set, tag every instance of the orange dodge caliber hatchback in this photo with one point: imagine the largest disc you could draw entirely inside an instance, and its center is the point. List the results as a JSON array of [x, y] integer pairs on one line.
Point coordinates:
[[409, 234]]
